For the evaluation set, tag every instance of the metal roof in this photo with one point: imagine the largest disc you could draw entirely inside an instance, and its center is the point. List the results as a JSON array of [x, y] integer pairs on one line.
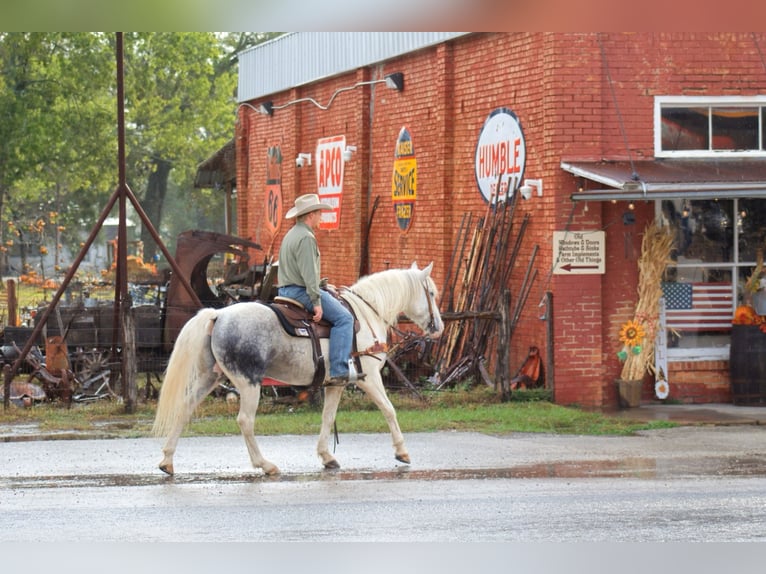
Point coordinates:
[[219, 168], [671, 178], [300, 58]]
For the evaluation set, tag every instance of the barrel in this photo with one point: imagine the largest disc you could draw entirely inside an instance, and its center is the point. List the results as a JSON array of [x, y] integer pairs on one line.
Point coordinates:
[[747, 365]]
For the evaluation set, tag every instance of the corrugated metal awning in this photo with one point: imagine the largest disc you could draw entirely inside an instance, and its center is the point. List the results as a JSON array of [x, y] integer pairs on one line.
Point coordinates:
[[218, 169], [670, 179]]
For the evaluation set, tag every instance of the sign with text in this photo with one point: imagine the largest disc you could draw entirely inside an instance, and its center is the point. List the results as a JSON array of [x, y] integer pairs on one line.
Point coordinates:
[[273, 189], [404, 185], [329, 165], [501, 154], [578, 252]]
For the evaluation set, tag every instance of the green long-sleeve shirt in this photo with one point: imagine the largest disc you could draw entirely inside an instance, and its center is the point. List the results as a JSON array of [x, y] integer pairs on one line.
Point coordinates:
[[300, 261]]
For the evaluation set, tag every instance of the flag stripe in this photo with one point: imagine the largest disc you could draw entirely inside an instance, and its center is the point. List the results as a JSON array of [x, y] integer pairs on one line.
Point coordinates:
[[699, 306]]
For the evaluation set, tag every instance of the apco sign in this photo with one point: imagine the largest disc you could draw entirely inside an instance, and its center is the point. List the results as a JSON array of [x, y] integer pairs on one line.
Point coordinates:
[[329, 164], [404, 186], [273, 200], [500, 156]]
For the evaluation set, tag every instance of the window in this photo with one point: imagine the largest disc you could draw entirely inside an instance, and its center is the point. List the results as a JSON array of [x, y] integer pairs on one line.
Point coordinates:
[[705, 127], [715, 250]]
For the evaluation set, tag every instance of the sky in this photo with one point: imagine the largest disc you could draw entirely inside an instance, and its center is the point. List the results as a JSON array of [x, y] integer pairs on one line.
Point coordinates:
[[391, 15]]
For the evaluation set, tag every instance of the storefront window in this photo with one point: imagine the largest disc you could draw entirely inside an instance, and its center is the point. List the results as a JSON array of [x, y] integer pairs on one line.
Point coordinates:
[[715, 250], [697, 126]]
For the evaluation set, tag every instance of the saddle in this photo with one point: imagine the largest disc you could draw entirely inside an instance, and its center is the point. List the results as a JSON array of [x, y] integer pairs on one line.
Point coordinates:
[[297, 321]]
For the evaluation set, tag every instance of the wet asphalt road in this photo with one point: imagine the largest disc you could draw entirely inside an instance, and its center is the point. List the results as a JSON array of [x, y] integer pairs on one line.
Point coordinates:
[[681, 484]]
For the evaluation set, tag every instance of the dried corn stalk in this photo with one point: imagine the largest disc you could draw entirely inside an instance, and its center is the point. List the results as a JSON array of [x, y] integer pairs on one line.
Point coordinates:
[[655, 256]]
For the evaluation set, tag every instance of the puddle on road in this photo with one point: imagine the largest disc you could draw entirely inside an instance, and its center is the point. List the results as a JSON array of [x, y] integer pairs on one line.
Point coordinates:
[[635, 468]]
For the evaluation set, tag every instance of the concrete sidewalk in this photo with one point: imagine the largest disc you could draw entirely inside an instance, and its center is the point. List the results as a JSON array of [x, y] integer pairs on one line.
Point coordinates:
[[719, 414]]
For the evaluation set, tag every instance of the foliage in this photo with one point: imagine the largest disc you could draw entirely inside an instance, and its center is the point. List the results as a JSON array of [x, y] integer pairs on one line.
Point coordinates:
[[58, 116]]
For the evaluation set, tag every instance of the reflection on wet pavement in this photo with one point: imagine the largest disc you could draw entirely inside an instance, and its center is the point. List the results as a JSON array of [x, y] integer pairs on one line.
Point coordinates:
[[635, 468]]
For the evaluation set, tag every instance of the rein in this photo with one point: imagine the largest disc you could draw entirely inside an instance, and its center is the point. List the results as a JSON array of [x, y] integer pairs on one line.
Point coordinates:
[[377, 346]]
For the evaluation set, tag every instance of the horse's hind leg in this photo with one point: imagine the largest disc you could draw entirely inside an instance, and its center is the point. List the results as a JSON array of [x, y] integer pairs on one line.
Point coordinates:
[[332, 396], [249, 397], [192, 402]]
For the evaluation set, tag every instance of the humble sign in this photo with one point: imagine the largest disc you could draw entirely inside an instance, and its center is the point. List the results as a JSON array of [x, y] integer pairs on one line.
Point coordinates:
[[578, 252]]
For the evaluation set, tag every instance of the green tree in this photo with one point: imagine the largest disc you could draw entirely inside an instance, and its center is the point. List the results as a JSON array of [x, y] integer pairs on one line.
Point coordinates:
[[58, 140], [52, 136]]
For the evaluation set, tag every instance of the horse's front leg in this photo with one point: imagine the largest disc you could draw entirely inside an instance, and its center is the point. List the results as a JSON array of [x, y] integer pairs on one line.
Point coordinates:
[[373, 386], [249, 398], [332, 397]]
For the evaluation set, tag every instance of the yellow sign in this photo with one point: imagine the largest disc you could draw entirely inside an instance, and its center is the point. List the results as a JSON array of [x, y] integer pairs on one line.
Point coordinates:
[[404, 184]]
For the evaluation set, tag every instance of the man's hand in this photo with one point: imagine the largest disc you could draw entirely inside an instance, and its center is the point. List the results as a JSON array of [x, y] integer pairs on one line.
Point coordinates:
[[317, 313]]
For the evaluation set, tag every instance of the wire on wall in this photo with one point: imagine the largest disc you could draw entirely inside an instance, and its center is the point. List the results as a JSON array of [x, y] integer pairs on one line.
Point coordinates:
[[634, 174]]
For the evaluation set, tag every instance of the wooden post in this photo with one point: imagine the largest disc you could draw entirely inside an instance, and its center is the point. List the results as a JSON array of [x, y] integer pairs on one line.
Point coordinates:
[[13, 303], [129, 386], [502, 376]]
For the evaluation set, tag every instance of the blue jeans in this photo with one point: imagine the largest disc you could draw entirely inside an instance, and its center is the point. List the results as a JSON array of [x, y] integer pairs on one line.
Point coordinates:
[[341, 332]]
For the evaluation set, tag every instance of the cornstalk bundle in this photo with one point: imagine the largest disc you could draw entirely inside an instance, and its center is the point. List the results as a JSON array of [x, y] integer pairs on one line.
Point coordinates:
[[655, 256]]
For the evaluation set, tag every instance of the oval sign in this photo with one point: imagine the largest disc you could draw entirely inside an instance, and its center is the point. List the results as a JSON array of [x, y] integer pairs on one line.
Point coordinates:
[[404, 184], [500, 156]]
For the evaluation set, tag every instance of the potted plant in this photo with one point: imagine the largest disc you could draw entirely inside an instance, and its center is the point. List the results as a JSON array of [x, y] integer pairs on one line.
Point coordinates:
[[637, 335], [755, 287]]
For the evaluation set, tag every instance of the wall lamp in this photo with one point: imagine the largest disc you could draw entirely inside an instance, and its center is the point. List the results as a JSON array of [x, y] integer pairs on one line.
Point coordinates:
[[529, 185], [348, 151], [395, 81], [303, 159], [266, 108]]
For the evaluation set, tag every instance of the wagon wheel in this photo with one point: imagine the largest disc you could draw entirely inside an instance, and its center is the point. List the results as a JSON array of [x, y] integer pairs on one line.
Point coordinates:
[[90, 364]]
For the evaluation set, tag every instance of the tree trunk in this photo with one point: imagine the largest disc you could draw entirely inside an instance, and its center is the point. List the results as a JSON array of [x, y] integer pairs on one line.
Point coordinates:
[[154, 199]]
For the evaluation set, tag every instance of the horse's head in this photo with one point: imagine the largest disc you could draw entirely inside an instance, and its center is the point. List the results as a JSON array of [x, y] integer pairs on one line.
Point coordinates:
[[424, 308]]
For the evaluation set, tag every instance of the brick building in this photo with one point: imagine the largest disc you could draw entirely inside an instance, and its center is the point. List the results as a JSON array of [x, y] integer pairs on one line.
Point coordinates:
[[611, 131]]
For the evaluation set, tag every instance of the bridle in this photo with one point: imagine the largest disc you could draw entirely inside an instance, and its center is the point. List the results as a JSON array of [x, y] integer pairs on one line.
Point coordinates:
[[430, 327]]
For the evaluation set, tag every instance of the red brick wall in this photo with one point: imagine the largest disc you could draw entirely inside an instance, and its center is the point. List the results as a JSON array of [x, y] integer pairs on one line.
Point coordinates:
[[559, 87]]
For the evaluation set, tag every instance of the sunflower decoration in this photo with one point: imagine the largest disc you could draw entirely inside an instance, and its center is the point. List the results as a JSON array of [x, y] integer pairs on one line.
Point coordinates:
[[631, 335]]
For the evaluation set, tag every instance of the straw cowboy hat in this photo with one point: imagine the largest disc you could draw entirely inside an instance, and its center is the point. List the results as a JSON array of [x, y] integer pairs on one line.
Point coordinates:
[[306, 204]]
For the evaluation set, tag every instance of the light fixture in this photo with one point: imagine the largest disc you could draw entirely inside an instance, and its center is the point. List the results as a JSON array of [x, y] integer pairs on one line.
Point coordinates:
[[348, 151], [395, 81], [303, 159], [529, 185], [631, 206]]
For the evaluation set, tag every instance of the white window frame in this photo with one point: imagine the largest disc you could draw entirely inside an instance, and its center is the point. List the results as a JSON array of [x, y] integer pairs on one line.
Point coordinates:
[[702, 101]]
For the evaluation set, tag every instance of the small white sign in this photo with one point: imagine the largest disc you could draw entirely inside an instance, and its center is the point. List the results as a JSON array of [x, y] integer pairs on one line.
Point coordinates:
[[578, 252], [329, 173]]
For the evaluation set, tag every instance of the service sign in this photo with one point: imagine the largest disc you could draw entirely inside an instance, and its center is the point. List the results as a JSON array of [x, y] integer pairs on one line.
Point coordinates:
[[273, 199], [404, 185], [500, 156], [329, 172]]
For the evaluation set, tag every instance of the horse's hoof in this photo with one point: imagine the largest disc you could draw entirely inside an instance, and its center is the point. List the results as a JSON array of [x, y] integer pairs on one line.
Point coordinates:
[[167, 469], [332, 465], [271, 470], [405, 458]]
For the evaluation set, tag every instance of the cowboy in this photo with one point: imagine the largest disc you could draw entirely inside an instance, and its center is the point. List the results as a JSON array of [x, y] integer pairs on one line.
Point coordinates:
[[299, 278]]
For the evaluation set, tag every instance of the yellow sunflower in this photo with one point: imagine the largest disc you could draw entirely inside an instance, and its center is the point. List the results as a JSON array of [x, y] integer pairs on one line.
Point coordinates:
[[632, 333]]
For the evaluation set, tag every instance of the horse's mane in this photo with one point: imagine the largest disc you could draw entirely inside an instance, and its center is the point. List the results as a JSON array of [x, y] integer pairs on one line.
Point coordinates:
[[389, 291]]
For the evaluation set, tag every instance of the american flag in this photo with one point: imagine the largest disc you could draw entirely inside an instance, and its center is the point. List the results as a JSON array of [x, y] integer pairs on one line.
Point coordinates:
[[698, 306]]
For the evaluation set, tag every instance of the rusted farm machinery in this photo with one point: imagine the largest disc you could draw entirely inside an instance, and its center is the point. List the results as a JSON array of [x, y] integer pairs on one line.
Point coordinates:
[[79, 337]]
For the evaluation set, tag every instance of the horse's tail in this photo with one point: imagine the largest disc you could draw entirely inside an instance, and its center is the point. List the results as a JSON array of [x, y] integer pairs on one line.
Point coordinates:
[[183, 371]]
